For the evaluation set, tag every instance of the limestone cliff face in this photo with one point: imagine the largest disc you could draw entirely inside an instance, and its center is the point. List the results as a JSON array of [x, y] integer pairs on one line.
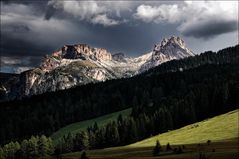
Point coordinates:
[[79, 64], [168, 49], [79, 51]]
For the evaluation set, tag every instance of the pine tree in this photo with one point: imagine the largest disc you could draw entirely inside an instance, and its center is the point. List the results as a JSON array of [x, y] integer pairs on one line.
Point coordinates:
[[83, 156], [92, 139], [50, 146], [1, 153], [81, 141], [100, 138], [68, 143], [43, 146], [24, 149], [11, 149], [132, 133], [33, 146], [95, 127], [157, 148], [112, 134], [168, 147]]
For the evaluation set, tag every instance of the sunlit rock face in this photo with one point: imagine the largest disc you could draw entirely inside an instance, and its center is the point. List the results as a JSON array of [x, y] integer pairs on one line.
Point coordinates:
[[169, 49], [79, 64]]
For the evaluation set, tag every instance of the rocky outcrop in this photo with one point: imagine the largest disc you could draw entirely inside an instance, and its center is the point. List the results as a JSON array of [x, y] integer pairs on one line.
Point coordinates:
[[169, 49], [79, 64], [120, 57]]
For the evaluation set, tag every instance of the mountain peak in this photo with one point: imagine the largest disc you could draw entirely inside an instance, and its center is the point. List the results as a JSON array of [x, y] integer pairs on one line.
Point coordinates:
[[120, 57], [168, 49], [74, 52], [80, 64], [177, 40], [172, 46], [173, 40]]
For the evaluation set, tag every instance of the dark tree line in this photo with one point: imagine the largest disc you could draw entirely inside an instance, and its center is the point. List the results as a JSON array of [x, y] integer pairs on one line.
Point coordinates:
[[208, 86], [116, 133]]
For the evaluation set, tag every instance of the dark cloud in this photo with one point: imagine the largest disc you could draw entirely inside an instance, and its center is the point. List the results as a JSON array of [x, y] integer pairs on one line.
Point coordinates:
[[50, 11], [17, 64], [210, 29], [32, 29], [18, 47], [17, 28]]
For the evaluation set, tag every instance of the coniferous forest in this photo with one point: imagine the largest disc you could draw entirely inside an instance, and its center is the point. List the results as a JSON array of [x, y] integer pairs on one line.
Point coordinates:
[[167, 97]]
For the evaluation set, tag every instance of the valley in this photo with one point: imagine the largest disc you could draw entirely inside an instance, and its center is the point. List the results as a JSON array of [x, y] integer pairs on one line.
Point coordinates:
[[127, 79], [221, 130], [123, 117]]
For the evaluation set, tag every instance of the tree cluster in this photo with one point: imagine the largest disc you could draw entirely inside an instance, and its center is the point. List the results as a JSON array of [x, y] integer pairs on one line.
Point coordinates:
[[123, 131], [28, 149], [186, 91]]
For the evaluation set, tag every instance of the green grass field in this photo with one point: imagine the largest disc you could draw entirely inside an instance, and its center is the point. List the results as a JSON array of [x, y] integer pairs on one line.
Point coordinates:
[[218, 128], [79, 126], [222, 130]]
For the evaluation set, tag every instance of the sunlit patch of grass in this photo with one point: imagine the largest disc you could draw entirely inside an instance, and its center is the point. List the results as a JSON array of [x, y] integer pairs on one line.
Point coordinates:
[[218, 128], [222, 130]]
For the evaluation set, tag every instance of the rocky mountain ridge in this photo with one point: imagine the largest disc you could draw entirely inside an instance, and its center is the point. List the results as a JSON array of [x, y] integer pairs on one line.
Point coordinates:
[[79, 64]]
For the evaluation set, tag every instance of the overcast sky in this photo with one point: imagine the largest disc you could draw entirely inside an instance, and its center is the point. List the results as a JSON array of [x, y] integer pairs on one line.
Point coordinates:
[[31, 29]]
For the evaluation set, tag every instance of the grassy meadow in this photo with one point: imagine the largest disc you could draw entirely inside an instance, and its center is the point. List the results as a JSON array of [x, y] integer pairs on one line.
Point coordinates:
[[222, 130]]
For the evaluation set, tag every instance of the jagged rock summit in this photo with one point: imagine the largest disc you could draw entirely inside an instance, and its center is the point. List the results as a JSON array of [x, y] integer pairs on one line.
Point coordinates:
[[169, 49], [79, 64]]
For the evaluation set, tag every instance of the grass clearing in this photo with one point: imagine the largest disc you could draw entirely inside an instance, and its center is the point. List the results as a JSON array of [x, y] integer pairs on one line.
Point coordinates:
[[79, 126], [217, 128], [222, 130]]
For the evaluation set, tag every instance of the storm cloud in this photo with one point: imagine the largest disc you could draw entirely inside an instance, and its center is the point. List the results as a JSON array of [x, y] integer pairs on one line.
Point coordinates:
[[209, 29], [18, 64], [199, 19], [32, 29]]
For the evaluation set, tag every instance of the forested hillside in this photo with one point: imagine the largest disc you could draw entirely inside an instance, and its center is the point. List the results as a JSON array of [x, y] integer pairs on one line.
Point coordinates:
[[174, 94]]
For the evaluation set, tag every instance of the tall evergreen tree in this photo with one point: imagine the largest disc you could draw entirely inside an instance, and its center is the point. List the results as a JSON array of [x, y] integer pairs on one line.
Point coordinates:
[[24, 149], [33, 146], [81, 141], [43, 146], [157, 149], [1, 153], [112, 134]]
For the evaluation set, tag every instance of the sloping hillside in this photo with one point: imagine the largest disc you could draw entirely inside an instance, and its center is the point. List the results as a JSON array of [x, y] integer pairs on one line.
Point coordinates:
[[218, 128], [79, 126], [222, 130]]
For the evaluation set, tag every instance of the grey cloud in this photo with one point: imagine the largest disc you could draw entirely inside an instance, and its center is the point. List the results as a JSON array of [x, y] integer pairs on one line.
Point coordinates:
[[34, 29], [49, 12], [199, 19], [17, 64], [209, 29], [16, 28], [95, 12]]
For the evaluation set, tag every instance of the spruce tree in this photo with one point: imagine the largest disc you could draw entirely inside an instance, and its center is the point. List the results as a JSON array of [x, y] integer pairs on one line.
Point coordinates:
[[112, 134], [83, 156], [1, 153], [24, 149], [92, 140], [168, 147], [81, 141], [50, 146], [43, 146], [33, 146], [157, 148]]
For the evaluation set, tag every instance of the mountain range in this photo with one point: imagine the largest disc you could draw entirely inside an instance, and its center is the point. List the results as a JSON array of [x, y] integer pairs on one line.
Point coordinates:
[[79, 64]]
